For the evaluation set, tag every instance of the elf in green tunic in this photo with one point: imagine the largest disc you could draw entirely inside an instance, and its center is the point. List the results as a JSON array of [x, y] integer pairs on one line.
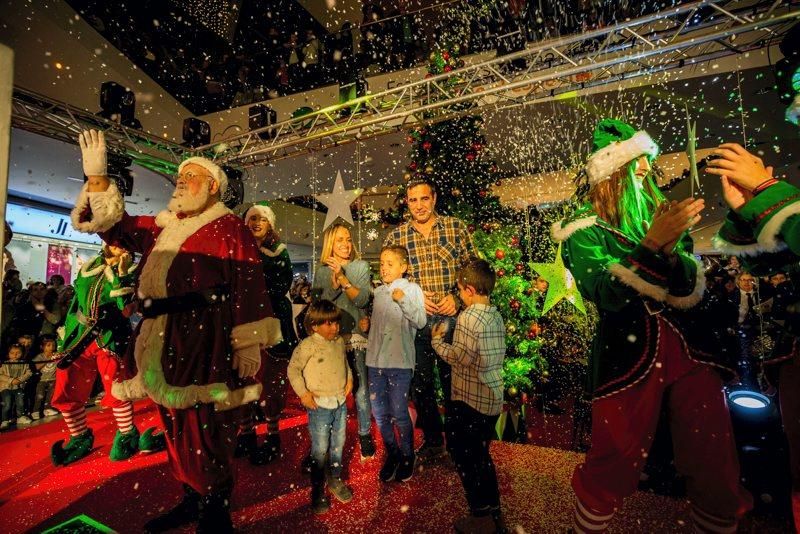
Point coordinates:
[[629, 253], [763, 228], [95, 334]]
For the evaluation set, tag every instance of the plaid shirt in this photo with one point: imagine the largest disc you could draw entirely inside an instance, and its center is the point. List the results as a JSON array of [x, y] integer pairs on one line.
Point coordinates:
[[476, 355], [433, 261]]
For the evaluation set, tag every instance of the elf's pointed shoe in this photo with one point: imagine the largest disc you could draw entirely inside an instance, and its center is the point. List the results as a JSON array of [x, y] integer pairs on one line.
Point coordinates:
[[150, 441], [78, 447], [125, 445]]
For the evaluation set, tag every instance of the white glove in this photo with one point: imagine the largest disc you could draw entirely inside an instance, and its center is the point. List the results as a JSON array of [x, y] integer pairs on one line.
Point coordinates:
[[93, 153], [247, 360]]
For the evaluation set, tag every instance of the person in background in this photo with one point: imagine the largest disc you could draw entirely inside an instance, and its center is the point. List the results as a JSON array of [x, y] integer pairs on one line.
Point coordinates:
[[46, 367], [344, 279], [321, 377], [13, 376], [397, 313]]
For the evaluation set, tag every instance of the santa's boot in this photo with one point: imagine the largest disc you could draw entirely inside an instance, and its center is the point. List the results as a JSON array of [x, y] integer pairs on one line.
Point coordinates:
[[150, 441], [246, 443], [78, 447], [268, 451], [125, 445], [215, 514], [187, 511], [319, 496]]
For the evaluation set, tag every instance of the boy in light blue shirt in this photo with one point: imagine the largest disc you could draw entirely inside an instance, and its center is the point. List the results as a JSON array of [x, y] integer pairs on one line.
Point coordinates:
[[398, 312]]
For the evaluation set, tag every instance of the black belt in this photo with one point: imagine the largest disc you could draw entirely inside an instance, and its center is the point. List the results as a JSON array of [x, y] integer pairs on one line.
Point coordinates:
[[195, 300]]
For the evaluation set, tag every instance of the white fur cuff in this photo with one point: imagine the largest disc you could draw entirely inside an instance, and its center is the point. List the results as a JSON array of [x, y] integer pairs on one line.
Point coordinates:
[[106, 210], [560, 233], [265, 333], [631, 279], [606, 161]]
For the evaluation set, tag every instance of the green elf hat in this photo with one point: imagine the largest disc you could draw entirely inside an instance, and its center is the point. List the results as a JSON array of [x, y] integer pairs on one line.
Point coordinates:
[[615, 144], [263, 209]]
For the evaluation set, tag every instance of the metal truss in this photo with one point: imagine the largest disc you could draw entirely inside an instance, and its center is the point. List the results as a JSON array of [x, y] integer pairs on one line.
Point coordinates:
[[50, 118], [681, 36]]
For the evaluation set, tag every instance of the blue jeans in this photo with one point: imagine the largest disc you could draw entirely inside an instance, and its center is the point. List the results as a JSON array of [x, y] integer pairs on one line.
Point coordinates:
[[326, 427], [388, 389], [357, 359], [424, 385], [13, 398]]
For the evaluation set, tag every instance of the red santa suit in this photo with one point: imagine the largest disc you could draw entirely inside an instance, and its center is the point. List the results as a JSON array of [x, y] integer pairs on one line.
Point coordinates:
[[183, 359]]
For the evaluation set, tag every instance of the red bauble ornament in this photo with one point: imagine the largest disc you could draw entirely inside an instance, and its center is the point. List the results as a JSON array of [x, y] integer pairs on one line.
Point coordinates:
[[470, 228], [426, 145], [445, 55], [534, 330], [477, 147], [486, 227], [448, 68], [412, 165], [514, 241], [470, 156], [498, 183], [482, 193], [515, 305], [520, 268], [499, 253], [501, 273]]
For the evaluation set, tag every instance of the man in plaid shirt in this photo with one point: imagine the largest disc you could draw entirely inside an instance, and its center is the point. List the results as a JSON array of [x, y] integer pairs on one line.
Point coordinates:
[[476, 356], [437, 246]]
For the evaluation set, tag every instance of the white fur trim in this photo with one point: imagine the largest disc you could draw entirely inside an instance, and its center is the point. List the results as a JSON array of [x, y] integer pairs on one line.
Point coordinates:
[[631, 279], [264, 211], [120, 292], [87, 271], [725, 247], [265, 333], [768, 237], [688, 301], [216, 171], [107, 208], [149, 348], [560, 233], [267, 252], [606, 161]]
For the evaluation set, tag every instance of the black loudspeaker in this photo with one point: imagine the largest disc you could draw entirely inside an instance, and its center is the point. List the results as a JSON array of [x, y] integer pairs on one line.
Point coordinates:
[[118, 104], [234, 195], [196, 132], [261, 116]]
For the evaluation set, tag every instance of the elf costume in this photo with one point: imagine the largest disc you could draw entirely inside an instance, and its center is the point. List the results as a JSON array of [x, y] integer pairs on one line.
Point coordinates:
[[95, 334], [765, 235], [641, 358]]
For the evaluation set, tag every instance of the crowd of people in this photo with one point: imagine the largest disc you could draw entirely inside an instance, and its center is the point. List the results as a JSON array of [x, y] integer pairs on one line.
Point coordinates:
[[217, 341]]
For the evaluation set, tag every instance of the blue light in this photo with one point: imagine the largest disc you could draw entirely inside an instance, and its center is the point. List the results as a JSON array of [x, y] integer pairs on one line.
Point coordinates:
[[752, 400]]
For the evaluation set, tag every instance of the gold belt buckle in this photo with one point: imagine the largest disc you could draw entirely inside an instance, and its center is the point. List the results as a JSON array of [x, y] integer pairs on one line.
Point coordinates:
[[653, 307]]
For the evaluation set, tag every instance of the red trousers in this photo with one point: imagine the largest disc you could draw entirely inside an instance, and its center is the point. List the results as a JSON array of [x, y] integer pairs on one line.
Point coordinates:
[[74, 384], [623, 426], [200, 446]]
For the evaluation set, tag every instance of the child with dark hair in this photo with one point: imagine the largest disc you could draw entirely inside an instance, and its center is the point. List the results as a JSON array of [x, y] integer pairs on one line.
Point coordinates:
[[476, 357], [13, 376], [398, 312], [321, 377], [44, 389]]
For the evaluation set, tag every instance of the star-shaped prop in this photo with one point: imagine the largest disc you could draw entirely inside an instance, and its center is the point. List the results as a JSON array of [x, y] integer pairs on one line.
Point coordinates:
[[691, 145], [338, 202], [560, 284]]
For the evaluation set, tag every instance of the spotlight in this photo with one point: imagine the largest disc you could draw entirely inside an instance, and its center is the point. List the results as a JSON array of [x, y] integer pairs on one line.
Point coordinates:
[[261, 116], [196, 132], [234, 195], [748, 399], [118, 104], [351, 90]]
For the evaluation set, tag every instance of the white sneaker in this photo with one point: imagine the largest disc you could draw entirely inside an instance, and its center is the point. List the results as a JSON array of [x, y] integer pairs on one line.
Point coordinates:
[[4, 425], [35, 416], [24, 420], [50, 412]]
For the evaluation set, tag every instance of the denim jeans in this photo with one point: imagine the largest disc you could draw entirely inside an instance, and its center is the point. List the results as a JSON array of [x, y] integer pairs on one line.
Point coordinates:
[[358, 365], [12, 398], [388, 390], [326, 427], [424, 384]]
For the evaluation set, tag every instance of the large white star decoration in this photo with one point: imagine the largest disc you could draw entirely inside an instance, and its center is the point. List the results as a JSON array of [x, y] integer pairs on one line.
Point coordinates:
[[338, 202]]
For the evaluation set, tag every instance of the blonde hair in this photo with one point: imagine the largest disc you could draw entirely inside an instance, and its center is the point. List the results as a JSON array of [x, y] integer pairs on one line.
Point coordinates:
[[327, 243]]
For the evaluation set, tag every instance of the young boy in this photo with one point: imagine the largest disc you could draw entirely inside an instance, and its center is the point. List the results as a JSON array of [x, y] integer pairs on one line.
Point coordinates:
[[476, 356], [13, 376], [44, 389], [398, 312], [320, 376]]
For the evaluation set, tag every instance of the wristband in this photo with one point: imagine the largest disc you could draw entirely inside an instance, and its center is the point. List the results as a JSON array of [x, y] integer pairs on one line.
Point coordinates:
[[764, 185]]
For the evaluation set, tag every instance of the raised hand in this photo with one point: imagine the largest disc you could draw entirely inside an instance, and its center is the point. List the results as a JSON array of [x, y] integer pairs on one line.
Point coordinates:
[[670, 220], [735, 196], [740, 166], [93, 153]]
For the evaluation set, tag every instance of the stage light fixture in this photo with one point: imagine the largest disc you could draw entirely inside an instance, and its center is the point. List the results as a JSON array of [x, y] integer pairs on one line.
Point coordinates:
[[749, 399], [261, 116], [234, 195], [196, 132], [118, 104]]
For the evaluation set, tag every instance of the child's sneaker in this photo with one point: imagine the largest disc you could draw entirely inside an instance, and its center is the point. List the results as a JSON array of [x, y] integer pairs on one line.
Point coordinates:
[[340, 490], [367, 445], [50, 412], [406, 468], [387, 472], [35, 416], [4, 425], [24, 420]]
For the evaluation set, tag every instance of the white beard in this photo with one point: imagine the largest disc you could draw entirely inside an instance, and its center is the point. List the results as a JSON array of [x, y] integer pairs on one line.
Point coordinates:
[[183, 201]]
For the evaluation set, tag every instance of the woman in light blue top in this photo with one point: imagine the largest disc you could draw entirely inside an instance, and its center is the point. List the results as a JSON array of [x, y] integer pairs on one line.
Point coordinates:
[[345, 280]]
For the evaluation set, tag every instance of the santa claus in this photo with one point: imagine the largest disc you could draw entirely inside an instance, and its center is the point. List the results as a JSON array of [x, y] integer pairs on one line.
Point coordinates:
[[206, 316]]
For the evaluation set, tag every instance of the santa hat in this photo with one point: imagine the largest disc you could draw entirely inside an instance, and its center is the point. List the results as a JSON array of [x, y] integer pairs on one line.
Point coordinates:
[[217, 174], [616, 144], [262, 209]]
